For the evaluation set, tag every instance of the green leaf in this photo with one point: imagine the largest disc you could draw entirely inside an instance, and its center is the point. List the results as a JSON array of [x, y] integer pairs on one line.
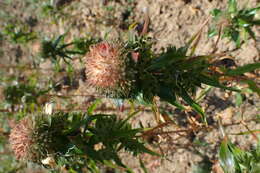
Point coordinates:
[[253, 86], [247, 132], [235, 37], [232, 6], [215, 12], [166, 59], [214, 82], [130, 116], [212, 32], [193, 104], [243, 69], [129, 170], [141, 100], [200, 143], [58, 40], [250, 32], [252, 11], [146, 150], [203, 93], [125, 133], [93, 106], [243, 23], [239, 99], [110, 164], [116, 158], [227, 160], [167, 94], [256, 22], [143, 166]]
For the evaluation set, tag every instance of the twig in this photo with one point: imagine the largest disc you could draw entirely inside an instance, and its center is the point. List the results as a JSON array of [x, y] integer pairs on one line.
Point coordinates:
[[219, 33]]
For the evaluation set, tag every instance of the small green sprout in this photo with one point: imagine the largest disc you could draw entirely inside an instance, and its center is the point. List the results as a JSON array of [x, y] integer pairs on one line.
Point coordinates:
[[234, 24], [22, 93], [57, 49], [19, 34], [235, 160]]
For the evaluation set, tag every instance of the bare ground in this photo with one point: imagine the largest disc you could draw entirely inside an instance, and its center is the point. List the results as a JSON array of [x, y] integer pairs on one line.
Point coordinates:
[[172, 22]]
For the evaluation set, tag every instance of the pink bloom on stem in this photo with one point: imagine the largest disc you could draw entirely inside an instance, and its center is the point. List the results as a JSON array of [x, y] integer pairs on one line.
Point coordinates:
[[104, 66], [20, 139]]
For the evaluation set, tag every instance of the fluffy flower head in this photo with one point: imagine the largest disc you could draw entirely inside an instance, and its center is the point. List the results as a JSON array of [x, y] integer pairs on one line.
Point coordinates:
[[36, 137], [20, 139], [104, 66]]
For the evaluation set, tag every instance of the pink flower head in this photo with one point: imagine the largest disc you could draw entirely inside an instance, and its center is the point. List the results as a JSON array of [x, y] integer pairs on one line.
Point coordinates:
[[20, 139], [104, 67]]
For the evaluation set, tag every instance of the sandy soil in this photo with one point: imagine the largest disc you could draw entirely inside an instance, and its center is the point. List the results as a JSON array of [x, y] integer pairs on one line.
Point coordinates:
[[172, 22]]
